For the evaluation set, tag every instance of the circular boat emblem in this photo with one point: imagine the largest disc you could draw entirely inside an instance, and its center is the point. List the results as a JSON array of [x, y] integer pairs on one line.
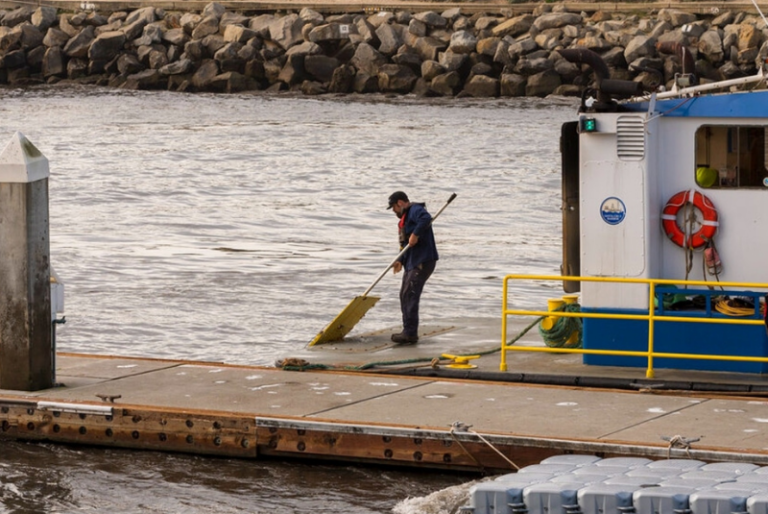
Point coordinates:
[[613, 211]]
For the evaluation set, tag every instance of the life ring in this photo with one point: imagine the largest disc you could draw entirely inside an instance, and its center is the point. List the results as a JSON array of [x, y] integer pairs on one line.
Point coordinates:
[[708, 225]]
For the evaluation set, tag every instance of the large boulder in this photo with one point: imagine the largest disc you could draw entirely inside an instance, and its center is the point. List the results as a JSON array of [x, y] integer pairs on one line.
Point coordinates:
[[432, 19], [55, 37], [176, 37], [135, 29], [146, 79], [146, 13], [43, 17], [446, 84], [749, 37], [286, 31], [711, 46], [368, 60], [206, 72], [331, 32], [78, 45], [429, 47], [542, 84], [481, 86], [556, 20], [514, 26], [106, 46], [640, 46], [214, 9], [16, 17], [31, 37], [676, 17], [343, 79], [395, 78], [390, 38], [238, 34], [462, 42], [129, 64], [512, 84], [320, 67], [229, 82], [229, 58], [260, 24], [207, 26], [189, 21], [54, 62]]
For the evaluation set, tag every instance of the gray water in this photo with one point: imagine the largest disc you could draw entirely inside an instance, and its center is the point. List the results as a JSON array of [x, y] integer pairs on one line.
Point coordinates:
[[234, 228]]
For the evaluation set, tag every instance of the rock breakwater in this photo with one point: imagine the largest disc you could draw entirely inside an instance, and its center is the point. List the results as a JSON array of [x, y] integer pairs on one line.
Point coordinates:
[[425, 53]]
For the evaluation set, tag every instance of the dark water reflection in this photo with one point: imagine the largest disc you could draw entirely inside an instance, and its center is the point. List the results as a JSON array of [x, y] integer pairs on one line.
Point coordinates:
[[234, 228]]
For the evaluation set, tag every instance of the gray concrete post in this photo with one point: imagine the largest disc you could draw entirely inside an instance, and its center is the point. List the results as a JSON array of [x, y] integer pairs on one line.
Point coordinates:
[[25, 283]]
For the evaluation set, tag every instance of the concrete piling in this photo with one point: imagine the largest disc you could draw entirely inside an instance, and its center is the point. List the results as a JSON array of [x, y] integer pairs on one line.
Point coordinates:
[[26, 362]]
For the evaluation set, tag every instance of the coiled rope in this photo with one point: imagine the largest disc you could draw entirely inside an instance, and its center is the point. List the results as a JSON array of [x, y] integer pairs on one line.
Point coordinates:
[[563, 328]]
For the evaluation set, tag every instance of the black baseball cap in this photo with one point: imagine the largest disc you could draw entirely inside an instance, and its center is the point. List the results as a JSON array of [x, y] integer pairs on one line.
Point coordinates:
[[396, 197]]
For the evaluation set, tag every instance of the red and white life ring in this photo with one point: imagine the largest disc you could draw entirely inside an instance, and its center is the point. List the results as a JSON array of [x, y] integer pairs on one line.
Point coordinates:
[[708, 225]]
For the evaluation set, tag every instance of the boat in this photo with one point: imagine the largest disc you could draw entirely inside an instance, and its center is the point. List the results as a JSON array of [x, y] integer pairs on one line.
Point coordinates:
[[664, 196]]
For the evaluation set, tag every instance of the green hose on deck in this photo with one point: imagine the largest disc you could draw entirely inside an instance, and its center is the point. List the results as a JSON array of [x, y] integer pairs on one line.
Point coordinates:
[[563, 328]]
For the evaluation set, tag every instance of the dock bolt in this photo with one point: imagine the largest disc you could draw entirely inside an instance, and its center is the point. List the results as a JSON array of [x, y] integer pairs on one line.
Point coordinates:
[[56, 429], [136, 419], [245, 443], [190, 439], [301, 446], [56, 414], [273, 443], [82, 430], [446, 457], [135, 434], [388, 453], [301, 432], [417, 441], [163, 438], [4, 410], [30, 411], [30, 426], [217, 441], [108, 432], [417, 456], [387, 439], [190, 424], [216, 425]]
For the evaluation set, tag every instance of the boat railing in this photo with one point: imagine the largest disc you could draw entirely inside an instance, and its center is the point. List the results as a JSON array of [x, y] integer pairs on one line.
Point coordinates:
[[653, 313]]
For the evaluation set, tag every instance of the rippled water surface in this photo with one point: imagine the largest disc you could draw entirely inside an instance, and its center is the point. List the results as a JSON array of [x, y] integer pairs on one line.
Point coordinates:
[[234, 228]]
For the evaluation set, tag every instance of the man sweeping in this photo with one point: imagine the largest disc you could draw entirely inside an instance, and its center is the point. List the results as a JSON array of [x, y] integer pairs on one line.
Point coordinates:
[[414, 231]]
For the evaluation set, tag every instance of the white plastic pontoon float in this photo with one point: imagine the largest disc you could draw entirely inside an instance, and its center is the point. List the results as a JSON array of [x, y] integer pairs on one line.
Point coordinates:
[[656, 186]]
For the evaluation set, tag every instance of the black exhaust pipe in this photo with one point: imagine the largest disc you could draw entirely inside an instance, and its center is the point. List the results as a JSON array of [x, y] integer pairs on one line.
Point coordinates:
[[606, 87]]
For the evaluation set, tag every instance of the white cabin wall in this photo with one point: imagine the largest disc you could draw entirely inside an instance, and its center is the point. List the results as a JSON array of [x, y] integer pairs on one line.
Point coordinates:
[[743, 213]]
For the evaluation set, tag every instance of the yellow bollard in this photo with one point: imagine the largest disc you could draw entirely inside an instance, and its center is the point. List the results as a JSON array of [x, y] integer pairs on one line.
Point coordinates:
[[552, 305], [574, 337]]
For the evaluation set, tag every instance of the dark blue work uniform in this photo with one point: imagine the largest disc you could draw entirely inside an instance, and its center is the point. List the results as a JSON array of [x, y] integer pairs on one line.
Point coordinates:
[[418, 262]]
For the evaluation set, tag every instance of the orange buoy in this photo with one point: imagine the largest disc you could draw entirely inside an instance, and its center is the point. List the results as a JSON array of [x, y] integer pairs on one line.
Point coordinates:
[[708, 225]]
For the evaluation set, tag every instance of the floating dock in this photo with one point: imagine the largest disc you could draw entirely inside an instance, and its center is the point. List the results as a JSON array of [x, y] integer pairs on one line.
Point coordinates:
[[383, 417]]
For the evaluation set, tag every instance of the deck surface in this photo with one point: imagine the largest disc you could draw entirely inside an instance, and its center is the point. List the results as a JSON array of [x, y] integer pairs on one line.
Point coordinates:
[[290, 413]]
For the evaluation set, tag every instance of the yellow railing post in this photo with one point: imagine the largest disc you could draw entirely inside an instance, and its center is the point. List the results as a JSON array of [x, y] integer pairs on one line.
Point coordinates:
[[503, 365], [651, 319]]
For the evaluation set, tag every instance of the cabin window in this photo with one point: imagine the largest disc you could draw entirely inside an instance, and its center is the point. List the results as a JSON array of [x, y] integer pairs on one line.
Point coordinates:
[[731, 157]]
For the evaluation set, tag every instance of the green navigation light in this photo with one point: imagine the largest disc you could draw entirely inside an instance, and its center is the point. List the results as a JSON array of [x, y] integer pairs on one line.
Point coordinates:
[[588, 125]]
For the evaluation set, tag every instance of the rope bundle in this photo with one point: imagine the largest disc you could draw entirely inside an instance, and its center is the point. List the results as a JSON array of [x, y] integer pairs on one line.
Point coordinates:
[[563, 328]]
